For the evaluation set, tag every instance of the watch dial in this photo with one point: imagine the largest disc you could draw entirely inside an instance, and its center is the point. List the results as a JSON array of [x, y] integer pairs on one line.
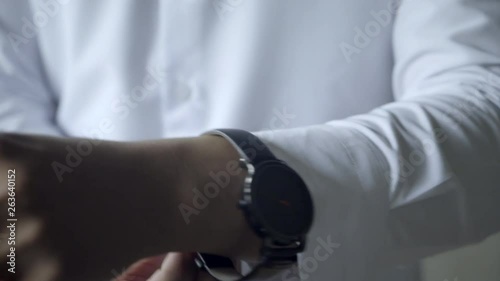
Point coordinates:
[[281, 200]]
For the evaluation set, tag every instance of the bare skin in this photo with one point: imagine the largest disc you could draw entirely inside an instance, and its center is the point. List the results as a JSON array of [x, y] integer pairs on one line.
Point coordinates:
[[118, 205], [173, 267]]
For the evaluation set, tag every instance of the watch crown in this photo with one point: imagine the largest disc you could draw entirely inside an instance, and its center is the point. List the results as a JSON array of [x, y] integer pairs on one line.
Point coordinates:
[[243, 163], [198, 263]]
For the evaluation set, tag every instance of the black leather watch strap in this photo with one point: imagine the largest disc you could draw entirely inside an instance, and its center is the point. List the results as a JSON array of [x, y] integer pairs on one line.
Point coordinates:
[[250, 145]]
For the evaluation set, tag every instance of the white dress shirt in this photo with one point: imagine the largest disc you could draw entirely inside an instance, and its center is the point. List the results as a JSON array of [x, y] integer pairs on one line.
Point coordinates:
[[389, 111]]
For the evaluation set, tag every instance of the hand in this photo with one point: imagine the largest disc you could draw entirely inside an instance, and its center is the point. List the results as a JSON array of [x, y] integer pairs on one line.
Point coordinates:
[[175, 267], [116, 205]]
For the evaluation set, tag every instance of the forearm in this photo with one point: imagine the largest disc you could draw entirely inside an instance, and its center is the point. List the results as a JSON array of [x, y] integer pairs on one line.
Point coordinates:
[[126, 197], [194, 187]]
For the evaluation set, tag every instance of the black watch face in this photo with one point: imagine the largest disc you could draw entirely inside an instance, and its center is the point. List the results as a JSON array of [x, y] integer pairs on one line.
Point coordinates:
[[281, 200]]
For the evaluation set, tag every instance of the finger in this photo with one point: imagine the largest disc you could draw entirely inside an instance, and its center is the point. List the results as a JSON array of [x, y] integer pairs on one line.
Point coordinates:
[[142, 269], [20, 234], [46, 268], [17, 247], [176, 267], [32, 263], [28, 253]]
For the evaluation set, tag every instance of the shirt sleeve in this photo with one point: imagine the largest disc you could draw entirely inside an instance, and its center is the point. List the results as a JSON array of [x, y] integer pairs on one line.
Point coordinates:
[[417, 176], [27, 104]]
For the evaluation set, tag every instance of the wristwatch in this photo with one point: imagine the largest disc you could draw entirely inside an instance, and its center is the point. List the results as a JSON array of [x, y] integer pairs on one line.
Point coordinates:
[[276, 203]]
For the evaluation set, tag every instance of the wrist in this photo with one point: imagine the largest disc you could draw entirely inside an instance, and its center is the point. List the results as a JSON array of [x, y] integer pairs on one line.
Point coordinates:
[[209, 202]]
